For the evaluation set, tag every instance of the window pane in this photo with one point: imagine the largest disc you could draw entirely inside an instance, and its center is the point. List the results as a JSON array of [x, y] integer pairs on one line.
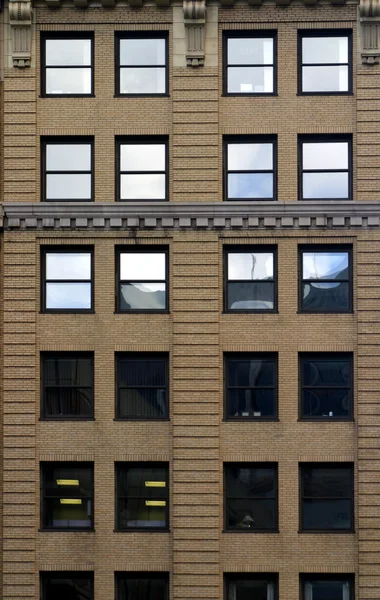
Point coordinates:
[[144, 265], [68, 265], [68, 482], [325, 79], [142, 52], [250, 296], [251, 403], [250, 373], [67, 587], [142, 372], [68, 295], [325, 155], [143, 187], [249, 589], [250, 265], [250, 80], [143, 296], [325, 265], [250, 482], [325, 185], [330, 373], [327, 514], [68, 157], [66, 52], [326, 403], [142, 403], [142, 157], [142, 589], [76, 402], [246, 157], [251, 514], [250, 185], [68, 187], [329, 590], [324, 50], [62, 514], [321, 482], [136, 513], [134, 80], [250, 51], [68, 81], [325, 296], [68, 371], [132, 481]]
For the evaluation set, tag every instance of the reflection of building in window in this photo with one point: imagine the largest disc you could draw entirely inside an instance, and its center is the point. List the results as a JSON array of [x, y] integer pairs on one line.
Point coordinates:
[[250, 276]]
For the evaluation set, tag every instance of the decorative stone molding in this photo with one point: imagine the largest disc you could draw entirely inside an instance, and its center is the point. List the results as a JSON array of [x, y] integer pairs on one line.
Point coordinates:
[[194, 12], [20, 21], [369, 11]]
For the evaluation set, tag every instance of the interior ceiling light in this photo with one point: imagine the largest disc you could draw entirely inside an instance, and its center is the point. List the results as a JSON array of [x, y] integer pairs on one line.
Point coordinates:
[[70, 501], [155, 502], [67, 481], [155, 484]]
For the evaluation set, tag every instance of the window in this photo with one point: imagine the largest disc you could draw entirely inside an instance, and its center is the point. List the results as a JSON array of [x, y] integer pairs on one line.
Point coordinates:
[[251, 386], [142, 275], [326, 386], [250, 279], [246, 586], [325, 168], [67, 169], [142, 385], [141, 64], [67, 495], [67, 61], [142, 496], [142, 586], [143, 169], [67, 276], [327, 497], [327, 587], [56, 585], [325, 62], [251, 497], [250, 63], [67, 385], [250, 168], [325, 279]]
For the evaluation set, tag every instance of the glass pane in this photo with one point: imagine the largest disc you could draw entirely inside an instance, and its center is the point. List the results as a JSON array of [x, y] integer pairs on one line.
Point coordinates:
[[250, 51], [327, 514], [142, 589], [142, 157], [250, 296], [250, 157], [331, 590], [68, 187], [251, 403], [62, 514], [250, 80], [144, 265], [326, 403], [325, 265], [250, 373], [143, 187], [62, 587], [250, 185], [326, 372], [325, 185], [136, 513], [132, 481], [68, 157], [325, 155], [249, 482], [325, 296], [144, 372], [325, 79], [142, 81], [142, 52], [250, 265], [68, 481], [142, 403], [251, 514], [248, 589], [67, 53], [143, 296], [323, 482], [68, 81], [68, 265], [68, 371], [75, 402], [68, 295], [325, 50]]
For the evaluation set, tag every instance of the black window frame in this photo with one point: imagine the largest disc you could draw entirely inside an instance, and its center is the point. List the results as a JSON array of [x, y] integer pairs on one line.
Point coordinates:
[[326, 248], [135, 141], [119, 465], [332, 466], [51, 249], [68, 464], [306, 577], [62, 140], [250, 139], [242, 249], [272, 356], [144, 35], [143, 356], [45, 575], [57, 355], [156, 575], [332, 356], [269, 578], [251, 465], [249, 33], [66, 35], [141, 250], [325, 33], [325, 139]]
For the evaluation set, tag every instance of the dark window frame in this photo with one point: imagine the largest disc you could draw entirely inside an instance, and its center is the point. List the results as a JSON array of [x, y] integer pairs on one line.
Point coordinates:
[[135, 141], [63, 354], [144, 35], [349, 577], [140, 250], [66, 35], [45, 575], [250, 465], [61, 140], [68, 464], [327, 139], [250, 139], [119, 465], [244, 356], [242, 249], [51, 249], [269, 578], [325, 33], [332, 466], [157, 575], [141, 355], [249, 33], [325, 248], [333, 356]]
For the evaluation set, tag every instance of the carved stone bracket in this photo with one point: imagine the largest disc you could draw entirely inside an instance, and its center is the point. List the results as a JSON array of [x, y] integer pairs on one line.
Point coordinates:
[[194, 12], [369, 11], [20, 21]]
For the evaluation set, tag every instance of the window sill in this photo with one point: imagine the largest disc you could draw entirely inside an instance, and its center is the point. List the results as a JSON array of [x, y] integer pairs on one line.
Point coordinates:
[[67, 530], [141, 312], [248, 530], [325, 312], [325, 531], [139, 419], [142, 530], [66, 312], [250, 312], [250, 94], [66, 96], [349, 93], [251, 419], [70, 419], [325, 419], [166, 95]]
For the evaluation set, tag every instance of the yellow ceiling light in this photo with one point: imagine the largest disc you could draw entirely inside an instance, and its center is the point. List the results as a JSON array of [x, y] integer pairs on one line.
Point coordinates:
[[67, 481], [155, 484], [70, 501], [155, 502]]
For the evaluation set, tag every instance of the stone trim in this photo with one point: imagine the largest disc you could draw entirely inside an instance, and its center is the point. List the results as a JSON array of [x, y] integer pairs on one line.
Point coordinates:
[[369, 11], [20, 21], [165, 3]]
